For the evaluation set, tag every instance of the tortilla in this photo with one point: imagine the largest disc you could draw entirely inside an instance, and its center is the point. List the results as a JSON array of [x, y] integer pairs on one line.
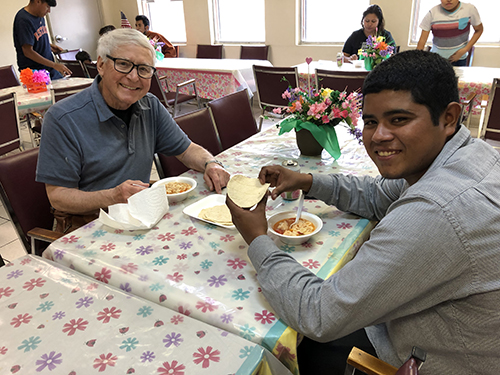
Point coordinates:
[[245, 191], [217, 214]]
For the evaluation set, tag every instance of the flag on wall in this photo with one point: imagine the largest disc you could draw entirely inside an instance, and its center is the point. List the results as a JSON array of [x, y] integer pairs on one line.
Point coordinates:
[[125, 23]]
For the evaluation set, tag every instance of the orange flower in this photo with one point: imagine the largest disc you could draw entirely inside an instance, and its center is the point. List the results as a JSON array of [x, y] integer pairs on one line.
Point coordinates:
[[382, 46]]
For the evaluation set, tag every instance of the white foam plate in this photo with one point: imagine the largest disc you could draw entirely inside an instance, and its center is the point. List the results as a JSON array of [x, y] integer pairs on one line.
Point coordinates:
[[194, 209]]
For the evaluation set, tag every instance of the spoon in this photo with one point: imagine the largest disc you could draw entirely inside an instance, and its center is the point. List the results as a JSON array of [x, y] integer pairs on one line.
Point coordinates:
[[299, 209]]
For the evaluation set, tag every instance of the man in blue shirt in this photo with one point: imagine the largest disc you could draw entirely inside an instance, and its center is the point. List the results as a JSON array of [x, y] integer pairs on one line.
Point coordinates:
[[31, 39]]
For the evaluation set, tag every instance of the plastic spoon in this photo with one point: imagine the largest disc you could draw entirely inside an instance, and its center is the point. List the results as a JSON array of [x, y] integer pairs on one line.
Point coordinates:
[[299, 209]]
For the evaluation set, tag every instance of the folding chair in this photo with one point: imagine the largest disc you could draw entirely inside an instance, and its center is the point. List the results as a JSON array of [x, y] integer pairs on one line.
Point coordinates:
[[68, 55], [489, 124], [10, 133], [209, 51], [341, 81], [467, 105], [254, 52], [91, 70], [8, 77], [169, 99], [76, 67], [271, 82]]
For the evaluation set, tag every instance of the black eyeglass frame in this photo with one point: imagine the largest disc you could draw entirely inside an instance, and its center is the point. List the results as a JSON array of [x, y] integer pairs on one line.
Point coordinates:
[[132, 67]]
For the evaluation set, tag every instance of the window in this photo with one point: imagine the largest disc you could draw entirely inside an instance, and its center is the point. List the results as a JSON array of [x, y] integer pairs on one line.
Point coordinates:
[[167, 18], [330, 21], [488, 11], [239, 21]]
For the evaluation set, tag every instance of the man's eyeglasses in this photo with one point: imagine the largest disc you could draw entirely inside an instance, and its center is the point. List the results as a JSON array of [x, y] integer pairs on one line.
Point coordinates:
[[126, 66]]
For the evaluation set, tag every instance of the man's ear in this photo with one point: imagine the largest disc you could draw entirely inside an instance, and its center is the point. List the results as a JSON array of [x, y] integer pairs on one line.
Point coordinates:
[[451, 116], [146, 28], [100, 65]]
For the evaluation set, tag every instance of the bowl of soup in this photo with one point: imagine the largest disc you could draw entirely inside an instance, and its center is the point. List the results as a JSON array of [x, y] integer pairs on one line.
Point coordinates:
[[177, 188], [281, 226]]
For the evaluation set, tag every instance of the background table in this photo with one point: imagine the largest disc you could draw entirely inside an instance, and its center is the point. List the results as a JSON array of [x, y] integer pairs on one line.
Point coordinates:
[[56, 319], [214, 77], [203, 270]]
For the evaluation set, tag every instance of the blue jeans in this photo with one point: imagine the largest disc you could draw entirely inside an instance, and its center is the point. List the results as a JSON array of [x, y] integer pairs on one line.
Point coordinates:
[[462, 62]]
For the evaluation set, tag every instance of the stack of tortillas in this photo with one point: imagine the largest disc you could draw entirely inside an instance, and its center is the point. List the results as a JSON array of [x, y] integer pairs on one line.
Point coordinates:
[[217, 214], [246, 191]]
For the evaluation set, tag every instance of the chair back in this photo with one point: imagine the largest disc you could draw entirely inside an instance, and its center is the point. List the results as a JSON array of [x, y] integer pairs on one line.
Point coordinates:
[[9, 124], [470, 57], [233, 118], [76, 67], [8, 77], [209, 51], [199, 127], [68, 55], [91, 69], [337, 80], [24, 199], [63, 92], [254, 52], [270, 84], [157, 90], [492, 117]]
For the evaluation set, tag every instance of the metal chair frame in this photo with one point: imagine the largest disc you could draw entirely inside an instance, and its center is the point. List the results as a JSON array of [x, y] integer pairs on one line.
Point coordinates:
[[14, 143], [485, 130]]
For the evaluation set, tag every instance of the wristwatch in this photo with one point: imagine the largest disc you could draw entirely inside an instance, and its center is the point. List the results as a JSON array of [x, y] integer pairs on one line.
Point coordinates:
[[214, 161]]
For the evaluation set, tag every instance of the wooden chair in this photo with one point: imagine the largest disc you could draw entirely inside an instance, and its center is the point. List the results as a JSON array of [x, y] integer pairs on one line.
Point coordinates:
[[10, 132], [254, 52], [489, 124], [233, 118], [209, 51], [341, 81], [271, 82], [199, 127], [171, 100], [26, 200], [8, 77]]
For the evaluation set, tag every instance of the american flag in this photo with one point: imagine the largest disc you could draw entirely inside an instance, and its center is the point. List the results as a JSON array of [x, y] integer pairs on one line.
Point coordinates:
[[125, 23]]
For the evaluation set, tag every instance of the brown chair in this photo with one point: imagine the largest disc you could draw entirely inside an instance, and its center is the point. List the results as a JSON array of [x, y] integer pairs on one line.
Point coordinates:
[[26, 200], [489, 124], [199, 127], [10, 132], [254, 52], [209, 51], [271, 82], [171, 100], [8, 77], [341, 81], [91, 69], [68, 55], [76, 67], [233, 118], [467, 105]]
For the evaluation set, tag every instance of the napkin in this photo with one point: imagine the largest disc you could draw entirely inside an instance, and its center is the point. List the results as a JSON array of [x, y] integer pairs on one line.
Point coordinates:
[[143, 210]]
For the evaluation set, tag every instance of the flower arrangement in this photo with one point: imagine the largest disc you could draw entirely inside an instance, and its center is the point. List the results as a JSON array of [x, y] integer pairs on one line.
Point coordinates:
[[319, 113], [35, 80], [157, 46], [377, 49]]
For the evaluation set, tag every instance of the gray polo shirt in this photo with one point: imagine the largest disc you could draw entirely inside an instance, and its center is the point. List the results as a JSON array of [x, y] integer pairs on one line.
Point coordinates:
[[85, 146]]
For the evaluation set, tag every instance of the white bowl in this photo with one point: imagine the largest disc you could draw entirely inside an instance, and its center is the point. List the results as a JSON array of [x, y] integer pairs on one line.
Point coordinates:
[[358, 63], [179, 196], [294, 240]]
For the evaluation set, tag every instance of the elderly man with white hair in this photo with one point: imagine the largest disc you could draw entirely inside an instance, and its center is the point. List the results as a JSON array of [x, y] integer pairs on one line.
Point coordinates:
[[98, 145]]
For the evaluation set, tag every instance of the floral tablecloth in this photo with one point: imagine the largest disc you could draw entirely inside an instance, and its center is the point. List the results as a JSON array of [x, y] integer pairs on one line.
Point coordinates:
[[56, 321], [202, 270]]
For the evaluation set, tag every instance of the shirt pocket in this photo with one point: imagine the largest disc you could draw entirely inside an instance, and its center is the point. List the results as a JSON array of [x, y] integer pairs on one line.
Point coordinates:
[[463, 22]]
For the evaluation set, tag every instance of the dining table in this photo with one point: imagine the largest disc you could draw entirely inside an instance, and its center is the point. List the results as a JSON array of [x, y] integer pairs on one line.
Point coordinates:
[[56, 320], [202, 270], [214, 77]]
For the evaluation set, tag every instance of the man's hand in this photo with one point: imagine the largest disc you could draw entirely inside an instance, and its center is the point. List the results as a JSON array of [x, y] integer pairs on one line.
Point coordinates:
[[284, 179], [63, 69], [216, 177], [55, 48], [126, 189], [457, 55], [251, 224]]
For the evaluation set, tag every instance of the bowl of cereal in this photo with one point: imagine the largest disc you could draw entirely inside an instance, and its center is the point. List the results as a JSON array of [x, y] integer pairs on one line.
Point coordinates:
[[281, 225], [177, 188]]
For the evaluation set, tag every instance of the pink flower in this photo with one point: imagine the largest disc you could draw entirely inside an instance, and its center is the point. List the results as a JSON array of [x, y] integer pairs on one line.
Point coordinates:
[[171, 369], [129, 268], [176, 277], [108, 247], [208, 305], [70, 239], [103, 276], [107, 314], [73, 325], [189, 231], [20, 319], [3, 350], [277, 110], [176, 319], [105, 360], [30, 285], [311, 263], [205, 356], [325, 119], [236, 263], [183, 310], [298, 106], [166, 237], [6, 291], [265, 317], [316, 109], [286, 95], [344, 226], [227, 238]]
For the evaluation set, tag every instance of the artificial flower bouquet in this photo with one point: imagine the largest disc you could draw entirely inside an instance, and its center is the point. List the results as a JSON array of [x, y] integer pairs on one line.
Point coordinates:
[[157, 46], [376, 50], [319, 112], [35, 80]]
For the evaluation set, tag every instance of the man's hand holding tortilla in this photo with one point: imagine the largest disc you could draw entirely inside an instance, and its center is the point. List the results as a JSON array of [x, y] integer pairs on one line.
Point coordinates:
[[284, 180]]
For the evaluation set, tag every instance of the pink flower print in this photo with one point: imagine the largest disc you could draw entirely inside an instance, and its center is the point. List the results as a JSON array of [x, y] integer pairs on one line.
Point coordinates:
[[30, 285], [6, 292], [227, 238], [103, 276], [236, 263], [176, 277], [69, 239], [108, 247], [20, 319], [3, 350], [176, 319], [171, 369], [25, 261], [73, 325], [311, 263], [181, 256], [129, 268], [344, 226], [277, 111], [183, 310], [166, 237], [189, 232], [107, 314], [205, 356], [50, 361], [208, 305], [105, 360], [265, 317]]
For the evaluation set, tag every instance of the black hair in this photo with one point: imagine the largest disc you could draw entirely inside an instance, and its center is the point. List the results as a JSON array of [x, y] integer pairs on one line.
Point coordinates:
[[83, 56], [375, 9], [52, 3], [429, 78], [143, 18], [103, 30]]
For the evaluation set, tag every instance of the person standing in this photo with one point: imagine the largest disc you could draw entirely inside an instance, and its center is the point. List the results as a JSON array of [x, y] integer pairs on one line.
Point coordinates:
[[31, 39], [450, 24], [142, 24]]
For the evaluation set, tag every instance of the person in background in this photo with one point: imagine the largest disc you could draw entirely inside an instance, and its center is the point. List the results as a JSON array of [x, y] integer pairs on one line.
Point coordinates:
[[142, 24], [450, 24], [428, 276], [103, 30], [372, 24], [31, 39], [84, 57], [97, 146]]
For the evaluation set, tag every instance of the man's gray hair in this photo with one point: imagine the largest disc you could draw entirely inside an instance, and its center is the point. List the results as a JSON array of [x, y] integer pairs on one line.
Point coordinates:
[[113, 40]]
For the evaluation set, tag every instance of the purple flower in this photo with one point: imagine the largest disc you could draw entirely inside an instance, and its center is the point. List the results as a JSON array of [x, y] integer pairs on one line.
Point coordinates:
[[173, 338], [226, 318], [15, 274], [147, 356], [58, 315], [370, 40], [217, 281], [50, 360], [126, 287], [84, 302], [59, 254], [144, 250], [186, 245], [143, 278], [89, 225]]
